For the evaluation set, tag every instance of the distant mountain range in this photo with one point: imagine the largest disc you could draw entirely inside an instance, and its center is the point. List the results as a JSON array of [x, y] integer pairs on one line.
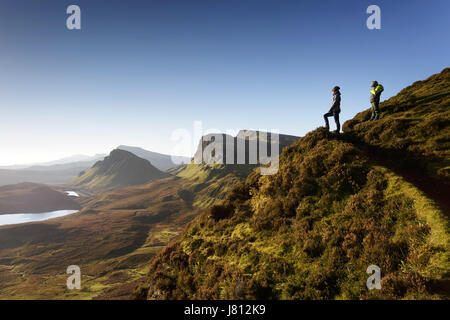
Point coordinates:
[[72, 161], [53, 172], [66, 169], [121, 168], [39, 176]]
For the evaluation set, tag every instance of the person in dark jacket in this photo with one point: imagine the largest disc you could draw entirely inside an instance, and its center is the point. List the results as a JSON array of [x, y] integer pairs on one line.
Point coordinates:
[[334, 110], [375, 94]]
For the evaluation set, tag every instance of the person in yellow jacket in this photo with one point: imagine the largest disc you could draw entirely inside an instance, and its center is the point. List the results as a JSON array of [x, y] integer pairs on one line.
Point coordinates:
[[375, 94]]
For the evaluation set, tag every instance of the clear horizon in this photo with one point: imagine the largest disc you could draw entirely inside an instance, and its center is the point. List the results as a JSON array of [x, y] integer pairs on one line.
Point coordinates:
[[138, 71]]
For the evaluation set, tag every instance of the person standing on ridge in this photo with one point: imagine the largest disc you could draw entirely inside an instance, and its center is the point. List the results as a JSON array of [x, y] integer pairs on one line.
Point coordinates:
[[375, 94], [334, 110]]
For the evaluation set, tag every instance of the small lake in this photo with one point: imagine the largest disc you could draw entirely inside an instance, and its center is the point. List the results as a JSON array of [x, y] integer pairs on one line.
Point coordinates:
[[16, 218], [72, 194]]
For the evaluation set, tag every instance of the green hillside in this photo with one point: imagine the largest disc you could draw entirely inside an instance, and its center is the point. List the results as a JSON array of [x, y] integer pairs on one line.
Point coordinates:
[[335, 207], [121, 168]]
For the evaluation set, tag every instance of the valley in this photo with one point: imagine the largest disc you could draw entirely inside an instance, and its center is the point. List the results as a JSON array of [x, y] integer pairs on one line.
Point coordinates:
[[121, 226]]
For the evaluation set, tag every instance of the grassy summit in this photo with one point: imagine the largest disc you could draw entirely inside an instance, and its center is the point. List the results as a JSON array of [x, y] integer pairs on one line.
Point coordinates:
[[333, 209]]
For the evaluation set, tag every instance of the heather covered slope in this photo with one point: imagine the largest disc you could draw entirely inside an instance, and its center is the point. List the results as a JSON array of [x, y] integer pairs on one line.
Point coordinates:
[[310, 232], [336, 206]]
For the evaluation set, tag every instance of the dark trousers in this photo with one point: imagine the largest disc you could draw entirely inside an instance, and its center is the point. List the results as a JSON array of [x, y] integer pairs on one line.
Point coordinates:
[[335, 114], [375, 111]]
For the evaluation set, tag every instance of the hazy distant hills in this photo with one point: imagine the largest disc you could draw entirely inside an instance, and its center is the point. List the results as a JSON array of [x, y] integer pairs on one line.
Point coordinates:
[[66, 169], [39, 176], [33, 198], [121, 168], [53, 172], [73, 159], [161, 161], [63, 163]]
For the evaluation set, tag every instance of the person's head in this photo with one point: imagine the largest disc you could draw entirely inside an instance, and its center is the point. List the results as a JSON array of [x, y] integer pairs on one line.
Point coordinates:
[[335, 89], [374, 84]]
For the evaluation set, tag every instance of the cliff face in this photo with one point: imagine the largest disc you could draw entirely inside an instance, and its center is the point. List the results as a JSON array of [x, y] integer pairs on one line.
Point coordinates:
[[248, 147]]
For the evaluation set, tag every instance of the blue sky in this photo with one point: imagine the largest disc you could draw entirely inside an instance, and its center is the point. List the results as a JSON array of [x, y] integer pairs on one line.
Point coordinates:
[[138, 70]]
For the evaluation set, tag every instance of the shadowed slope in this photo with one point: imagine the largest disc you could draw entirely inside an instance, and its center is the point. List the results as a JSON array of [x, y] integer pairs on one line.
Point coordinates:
[[33, 198]]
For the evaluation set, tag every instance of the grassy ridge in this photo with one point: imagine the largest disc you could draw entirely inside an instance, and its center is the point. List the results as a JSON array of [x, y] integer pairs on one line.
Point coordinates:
[[414, 125]]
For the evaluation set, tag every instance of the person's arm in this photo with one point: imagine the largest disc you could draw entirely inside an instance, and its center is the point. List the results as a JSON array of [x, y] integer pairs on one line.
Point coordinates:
[[335, 102], [377, 90]]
